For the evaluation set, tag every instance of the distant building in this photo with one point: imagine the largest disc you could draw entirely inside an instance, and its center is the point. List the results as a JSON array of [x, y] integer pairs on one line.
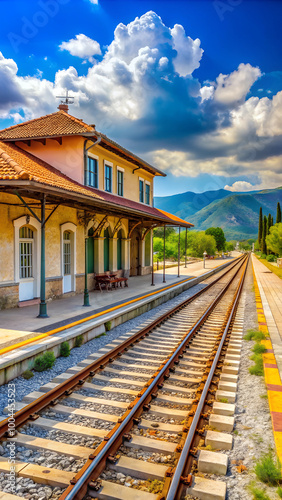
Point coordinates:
[[69, 188]]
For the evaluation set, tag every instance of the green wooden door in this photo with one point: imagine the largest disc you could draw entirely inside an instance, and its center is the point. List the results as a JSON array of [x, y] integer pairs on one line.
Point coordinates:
[[119, 235], [106, 251], [148, 249], [90, 251]]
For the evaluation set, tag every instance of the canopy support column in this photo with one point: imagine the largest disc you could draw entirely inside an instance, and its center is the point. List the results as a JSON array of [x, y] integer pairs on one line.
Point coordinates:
[[164, 281], [186, 248], [178, 252], [42, 305], [152, 252], [86, 293]]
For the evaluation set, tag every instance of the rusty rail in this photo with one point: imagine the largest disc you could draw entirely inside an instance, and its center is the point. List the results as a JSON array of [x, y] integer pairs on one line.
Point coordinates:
[[97, 460]]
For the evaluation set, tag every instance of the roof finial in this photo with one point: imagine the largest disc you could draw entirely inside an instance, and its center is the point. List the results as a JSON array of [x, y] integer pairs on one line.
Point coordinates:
[[66, 100]]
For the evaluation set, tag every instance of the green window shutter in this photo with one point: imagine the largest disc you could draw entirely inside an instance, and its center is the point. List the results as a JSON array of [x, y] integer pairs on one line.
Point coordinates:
[[119, 250], [106, 251]]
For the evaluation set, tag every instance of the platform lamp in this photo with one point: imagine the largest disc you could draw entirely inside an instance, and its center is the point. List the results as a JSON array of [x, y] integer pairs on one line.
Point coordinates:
[[204, 255]]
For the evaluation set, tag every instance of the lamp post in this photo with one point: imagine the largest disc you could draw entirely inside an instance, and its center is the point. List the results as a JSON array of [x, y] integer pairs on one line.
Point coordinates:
[[204, 255]]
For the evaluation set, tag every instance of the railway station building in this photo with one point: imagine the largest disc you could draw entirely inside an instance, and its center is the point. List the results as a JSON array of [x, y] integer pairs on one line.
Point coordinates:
[[73, 204]]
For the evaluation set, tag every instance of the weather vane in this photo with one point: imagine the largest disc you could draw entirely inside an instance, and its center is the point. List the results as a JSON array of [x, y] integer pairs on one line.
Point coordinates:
[[66, 101]]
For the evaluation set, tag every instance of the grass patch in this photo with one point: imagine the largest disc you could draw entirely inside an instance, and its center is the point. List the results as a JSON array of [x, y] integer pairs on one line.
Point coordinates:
[[267, 470], [27, 374], [223, 400], [279, 491], [263, 396], [65, 349], [155, 486], [44, 362], [236, 432], [258, 494], [101, 335], [78, 341], [108, 326], [274, 269], [257, 368], [259, 348], [256, 335]]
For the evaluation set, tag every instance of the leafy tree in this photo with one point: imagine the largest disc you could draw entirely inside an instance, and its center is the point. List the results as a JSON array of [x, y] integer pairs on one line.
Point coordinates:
[[219, 237], [260, 225], [230, 246], [274, 239], [278, 213], [202, 242]]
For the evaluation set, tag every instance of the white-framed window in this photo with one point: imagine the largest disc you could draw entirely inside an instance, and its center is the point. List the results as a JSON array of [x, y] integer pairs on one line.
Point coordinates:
[[92, 171], [26, 252], [147, 192], [108, 167], [141, 190], [120, 181]]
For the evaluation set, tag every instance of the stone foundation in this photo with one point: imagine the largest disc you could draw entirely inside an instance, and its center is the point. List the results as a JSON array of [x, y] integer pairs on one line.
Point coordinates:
[[9, 295]]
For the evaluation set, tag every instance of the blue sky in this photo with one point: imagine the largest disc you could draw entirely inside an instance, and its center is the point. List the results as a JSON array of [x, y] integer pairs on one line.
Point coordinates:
[[194, 87]]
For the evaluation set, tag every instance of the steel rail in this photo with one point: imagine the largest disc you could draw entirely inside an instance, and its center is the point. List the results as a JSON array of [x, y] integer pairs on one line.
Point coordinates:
[[176, 483], [97, 461], [21, 416]]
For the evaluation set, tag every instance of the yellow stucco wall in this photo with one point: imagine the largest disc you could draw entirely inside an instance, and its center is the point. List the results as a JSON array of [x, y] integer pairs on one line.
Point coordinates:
[[11, 212], [68, 158]]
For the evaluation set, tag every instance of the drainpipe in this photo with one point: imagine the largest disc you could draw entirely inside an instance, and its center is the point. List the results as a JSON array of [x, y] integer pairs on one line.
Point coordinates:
[[85, 149]]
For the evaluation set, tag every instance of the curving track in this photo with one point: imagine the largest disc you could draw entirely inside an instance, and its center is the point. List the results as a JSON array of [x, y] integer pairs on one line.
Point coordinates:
[[138, 409]]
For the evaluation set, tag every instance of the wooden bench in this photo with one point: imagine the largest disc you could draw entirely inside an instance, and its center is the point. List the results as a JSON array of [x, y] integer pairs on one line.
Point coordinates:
[[109, 281]]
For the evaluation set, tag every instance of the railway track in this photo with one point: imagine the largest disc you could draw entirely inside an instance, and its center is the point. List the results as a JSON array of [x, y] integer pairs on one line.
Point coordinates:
[[127, 422]]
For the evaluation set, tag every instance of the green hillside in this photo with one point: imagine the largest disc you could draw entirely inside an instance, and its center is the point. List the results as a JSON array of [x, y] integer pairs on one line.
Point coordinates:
[[237, 214]]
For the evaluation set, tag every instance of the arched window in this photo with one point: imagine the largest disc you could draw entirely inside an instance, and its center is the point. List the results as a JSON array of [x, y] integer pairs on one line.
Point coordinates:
[[26, 252]]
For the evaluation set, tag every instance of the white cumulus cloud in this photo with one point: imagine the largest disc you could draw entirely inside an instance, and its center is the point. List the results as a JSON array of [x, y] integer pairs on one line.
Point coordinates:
[[234, 87], [240, 186], [82, 46]]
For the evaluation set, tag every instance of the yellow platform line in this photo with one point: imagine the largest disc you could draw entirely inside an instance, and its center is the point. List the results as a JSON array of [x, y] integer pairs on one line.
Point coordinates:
[[271, 375]]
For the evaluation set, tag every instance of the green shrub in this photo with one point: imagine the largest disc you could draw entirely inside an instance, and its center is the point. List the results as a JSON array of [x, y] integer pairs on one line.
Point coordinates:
[[108, 326], [27, 374], [44, 362], [257, 368], [267, 470], [270, 258], [259, 348], [256, 335], [263, 256], [65, 349], [78, 341]]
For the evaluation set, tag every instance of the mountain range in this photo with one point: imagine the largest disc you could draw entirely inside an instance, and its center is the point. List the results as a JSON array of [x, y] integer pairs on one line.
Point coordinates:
[[236, 213]]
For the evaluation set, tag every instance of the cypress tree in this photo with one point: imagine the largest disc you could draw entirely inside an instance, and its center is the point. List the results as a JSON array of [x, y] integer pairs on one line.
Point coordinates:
[[269, 220], [260, 226], [264, 233], [278, 213], [272, 223]]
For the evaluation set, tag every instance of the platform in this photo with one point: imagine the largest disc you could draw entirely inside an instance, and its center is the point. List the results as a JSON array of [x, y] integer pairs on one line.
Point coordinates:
[[68, 318], [270, 287], [268, 293]]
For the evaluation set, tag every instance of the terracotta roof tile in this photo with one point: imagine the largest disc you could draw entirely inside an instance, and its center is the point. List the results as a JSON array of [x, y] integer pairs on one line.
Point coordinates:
[[54, 125], [18, 164], [62, 124]]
